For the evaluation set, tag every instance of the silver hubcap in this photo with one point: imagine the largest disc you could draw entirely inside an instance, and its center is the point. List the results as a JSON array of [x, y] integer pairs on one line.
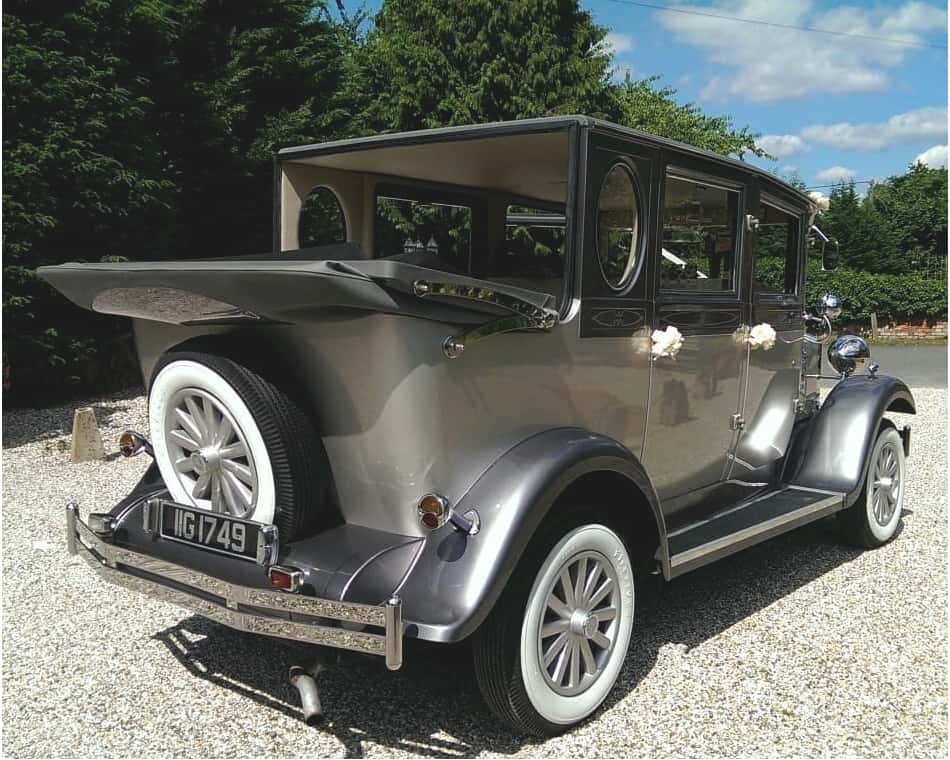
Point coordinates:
[[885, 484], [579, 624], [211, 457]]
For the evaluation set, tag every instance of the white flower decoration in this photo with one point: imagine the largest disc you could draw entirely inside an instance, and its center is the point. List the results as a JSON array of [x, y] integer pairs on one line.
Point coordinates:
[[667, 342], [762, 336]]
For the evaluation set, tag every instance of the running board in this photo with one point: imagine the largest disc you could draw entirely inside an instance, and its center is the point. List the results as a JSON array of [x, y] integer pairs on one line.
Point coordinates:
[[742, 526]]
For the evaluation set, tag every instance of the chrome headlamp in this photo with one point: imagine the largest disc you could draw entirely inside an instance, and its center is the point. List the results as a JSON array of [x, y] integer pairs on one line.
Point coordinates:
[[847, 353]]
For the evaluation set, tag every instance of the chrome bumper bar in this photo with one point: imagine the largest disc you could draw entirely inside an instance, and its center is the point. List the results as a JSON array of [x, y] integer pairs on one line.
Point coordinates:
[[229, 603]]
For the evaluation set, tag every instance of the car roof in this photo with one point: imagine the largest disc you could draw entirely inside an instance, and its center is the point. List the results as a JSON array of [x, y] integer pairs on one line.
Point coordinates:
[[522, 126]]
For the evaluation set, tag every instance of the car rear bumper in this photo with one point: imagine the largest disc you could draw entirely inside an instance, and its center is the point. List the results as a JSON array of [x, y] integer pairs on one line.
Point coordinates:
[[256, 610]]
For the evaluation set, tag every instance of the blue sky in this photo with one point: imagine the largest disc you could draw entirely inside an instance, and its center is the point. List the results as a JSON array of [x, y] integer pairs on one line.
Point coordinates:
[[829, 107]]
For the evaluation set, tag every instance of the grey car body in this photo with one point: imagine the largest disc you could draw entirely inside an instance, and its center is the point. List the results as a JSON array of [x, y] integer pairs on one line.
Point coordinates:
[[705, 451]]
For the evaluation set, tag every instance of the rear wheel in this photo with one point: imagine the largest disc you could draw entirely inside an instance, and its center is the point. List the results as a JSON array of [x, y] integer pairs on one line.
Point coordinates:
[[552, 649], [228, 440], [874, 518]]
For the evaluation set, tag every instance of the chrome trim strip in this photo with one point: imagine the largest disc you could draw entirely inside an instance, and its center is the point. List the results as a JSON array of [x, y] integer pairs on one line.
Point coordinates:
[[703, 550], [525, 316], [541, 317], [109, 560], [806, 489]]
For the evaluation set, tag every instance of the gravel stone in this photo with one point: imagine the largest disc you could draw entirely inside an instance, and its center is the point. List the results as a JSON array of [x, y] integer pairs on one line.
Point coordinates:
[[799, 646]]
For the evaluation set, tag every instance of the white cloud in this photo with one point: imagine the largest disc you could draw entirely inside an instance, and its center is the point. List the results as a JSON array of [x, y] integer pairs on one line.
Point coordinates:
[[836, 174], [933, 157], [920, 124], [789, 169], [617, 43], [769, 64], [781, 146]]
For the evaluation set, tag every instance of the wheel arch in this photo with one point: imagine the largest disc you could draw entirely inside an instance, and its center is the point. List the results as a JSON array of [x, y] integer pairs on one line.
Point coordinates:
[[629, 509], [458, 578], [831, 453]]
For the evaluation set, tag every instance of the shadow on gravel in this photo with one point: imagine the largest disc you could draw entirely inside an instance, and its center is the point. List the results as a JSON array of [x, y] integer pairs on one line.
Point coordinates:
[[23, 426], [435, 692]]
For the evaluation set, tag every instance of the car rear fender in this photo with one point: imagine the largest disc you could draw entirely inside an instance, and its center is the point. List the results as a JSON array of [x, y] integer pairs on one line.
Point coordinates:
[[458, 577]]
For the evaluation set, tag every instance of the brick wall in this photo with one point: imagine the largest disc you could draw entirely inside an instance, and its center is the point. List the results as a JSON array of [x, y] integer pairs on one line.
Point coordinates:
[[912, 330]]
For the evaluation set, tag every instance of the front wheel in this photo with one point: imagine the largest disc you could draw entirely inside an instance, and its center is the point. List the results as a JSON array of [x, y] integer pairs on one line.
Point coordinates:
[[874, 518], [550, 653]]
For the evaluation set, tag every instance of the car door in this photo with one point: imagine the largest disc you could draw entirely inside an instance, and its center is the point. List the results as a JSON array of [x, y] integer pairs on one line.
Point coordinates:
[[611, 372], [772, 384], [696, 391]]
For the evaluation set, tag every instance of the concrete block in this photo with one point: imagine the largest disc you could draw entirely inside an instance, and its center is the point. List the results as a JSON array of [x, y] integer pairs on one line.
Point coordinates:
[[87, 443]]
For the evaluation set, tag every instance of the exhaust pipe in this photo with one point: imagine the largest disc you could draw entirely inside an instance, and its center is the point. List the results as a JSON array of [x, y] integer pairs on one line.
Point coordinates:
[[306, 684]]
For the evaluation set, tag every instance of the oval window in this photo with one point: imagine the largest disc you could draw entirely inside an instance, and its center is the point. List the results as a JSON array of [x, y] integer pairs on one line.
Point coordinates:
[[321, 219], [618, 227]]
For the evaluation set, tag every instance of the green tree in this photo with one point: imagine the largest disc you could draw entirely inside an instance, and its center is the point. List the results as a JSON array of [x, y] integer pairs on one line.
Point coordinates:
[[431, 63], [145, 129], [868, 241], [245, 80], [915, 206], [644, 104], [82, 176]]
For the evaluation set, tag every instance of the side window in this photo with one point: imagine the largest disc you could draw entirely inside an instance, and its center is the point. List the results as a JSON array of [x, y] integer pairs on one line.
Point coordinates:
[[618, 227], [776, 251], [700, 236], [321, 219], [532, 255], [422, 232]]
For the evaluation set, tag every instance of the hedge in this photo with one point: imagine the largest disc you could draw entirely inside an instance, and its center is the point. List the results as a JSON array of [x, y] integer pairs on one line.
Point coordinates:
[[893, 297]]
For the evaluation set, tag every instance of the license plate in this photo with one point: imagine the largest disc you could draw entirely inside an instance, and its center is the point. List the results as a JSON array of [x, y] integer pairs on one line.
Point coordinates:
[[210, 531]]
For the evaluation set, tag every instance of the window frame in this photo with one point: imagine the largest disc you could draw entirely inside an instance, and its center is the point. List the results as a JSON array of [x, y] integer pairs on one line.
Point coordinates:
[[640, 252], [758, 296], [673, 171]]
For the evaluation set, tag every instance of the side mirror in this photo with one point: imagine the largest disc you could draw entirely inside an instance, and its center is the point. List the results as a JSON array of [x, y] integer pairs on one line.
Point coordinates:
[[829, 256], [829, 249]]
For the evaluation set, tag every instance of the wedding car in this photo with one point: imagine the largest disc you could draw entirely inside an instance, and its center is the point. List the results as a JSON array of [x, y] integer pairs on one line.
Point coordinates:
[[488, 377]]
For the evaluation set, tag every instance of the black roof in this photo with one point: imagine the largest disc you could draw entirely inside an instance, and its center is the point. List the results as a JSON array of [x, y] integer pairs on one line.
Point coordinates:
[[520, 126]]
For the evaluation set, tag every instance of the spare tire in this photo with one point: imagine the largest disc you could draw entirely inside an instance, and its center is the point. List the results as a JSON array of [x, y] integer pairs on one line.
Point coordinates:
[[228, 440]]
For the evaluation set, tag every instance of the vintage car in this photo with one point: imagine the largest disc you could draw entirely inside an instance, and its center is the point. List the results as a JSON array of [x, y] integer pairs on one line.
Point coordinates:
[[488, 378]]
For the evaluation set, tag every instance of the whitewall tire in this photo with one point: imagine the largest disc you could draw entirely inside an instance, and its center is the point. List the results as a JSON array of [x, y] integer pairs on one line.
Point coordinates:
[[228, 440], [185, 401], [553, 647], [875, 517], [577, 625]]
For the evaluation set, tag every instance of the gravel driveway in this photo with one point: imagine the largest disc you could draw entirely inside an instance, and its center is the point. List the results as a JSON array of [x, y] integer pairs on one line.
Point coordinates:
[[798, 646]]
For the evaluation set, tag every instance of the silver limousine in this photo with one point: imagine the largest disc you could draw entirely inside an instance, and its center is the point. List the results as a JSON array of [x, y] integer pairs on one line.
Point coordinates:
[[488, 378]]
